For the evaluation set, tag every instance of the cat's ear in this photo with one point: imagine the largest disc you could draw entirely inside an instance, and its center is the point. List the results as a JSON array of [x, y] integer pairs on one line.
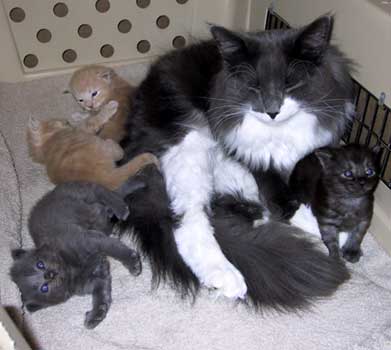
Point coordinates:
[[378, 150], [107, 75], [314, 38], [18, 253], [228, 42], [324, 155], [34, 124]]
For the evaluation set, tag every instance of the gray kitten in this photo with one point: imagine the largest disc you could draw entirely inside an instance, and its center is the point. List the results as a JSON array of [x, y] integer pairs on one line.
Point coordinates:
[[70, 227], [339, 185]]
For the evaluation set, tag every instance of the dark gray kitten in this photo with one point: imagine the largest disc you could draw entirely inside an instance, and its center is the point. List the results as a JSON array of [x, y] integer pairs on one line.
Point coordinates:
[[70, 227], [339, 184]]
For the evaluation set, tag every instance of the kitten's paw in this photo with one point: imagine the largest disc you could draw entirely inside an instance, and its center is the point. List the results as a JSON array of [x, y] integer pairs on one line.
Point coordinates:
[[110, 109], [352, 255], [228, 281], [133, 263], [79, 116], [147, 159], [96, 316]]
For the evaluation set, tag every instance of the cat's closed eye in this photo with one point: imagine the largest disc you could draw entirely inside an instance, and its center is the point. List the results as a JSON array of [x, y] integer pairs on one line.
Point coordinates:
[[81, 100], [254, 90]]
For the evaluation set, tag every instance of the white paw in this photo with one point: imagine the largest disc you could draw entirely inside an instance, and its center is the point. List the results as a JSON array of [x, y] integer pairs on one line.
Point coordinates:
[[111, 107], [79, 116], [227, 281], [260, 222]]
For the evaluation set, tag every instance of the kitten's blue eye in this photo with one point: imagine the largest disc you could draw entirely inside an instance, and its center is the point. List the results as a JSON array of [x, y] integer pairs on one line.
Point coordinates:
[[370, 172], [94, 93], [44, 288], [348, 174], [40, 265]]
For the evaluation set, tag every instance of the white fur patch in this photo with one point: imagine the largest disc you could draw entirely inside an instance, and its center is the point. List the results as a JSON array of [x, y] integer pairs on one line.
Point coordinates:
[[232, 177], [305, 220], [259, 140], [188, 168], [342, 238]]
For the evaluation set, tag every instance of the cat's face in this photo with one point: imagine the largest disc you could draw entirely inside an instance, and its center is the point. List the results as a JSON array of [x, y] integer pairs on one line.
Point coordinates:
[[351, 169], [40, 276], [91, 87], [275, 76]]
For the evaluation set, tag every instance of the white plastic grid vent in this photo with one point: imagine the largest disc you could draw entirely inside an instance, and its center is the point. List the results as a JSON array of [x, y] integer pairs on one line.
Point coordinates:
[[52, 34]]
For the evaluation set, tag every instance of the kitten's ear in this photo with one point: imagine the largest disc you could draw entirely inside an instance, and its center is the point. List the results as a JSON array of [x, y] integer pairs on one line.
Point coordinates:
[[32, 307], [17, 253], [378, 150], [107, 75], [228, 42], [34, 124], [324, 155], [314, 38]]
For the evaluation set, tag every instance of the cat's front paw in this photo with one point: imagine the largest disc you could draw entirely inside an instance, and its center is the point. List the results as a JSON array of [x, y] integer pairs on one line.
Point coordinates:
[[133, 263], [110, 109], [79, 116], [147, 159], [227, 281], [96, 316], [352, 255]]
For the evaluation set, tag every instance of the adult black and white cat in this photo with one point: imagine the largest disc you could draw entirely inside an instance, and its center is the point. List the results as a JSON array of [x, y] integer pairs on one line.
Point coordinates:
[[270, 255], [264, 99], [70, 227]]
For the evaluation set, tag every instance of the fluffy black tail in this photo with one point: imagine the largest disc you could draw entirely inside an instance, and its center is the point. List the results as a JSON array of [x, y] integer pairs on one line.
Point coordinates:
[[152, 223], [283, 269]]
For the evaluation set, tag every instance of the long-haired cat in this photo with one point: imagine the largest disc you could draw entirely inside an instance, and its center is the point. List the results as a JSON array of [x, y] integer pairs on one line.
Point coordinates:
[[77, 154], [338, 185], [93, 87], [219, 109], [70, 227], [271, 255]]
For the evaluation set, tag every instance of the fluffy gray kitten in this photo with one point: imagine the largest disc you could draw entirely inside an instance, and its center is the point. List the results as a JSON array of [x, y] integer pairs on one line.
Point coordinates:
[[70, 227]]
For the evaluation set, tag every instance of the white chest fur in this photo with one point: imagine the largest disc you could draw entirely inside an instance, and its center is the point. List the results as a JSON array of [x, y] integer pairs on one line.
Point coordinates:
[[260, 140]]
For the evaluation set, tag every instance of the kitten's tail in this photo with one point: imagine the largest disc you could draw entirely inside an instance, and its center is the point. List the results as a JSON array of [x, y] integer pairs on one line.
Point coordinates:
[[283, 269]]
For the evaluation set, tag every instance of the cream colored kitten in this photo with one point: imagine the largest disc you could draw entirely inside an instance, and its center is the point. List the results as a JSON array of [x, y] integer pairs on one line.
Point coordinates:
[[93, 87], [77, 154]]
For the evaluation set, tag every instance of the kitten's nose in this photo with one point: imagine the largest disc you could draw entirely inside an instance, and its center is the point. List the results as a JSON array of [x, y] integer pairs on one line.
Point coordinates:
[[272, 115], [49, 275]]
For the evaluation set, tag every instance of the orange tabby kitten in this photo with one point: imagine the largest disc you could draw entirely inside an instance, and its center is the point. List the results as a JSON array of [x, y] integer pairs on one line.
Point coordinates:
[[77, 154], [93, 87]]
